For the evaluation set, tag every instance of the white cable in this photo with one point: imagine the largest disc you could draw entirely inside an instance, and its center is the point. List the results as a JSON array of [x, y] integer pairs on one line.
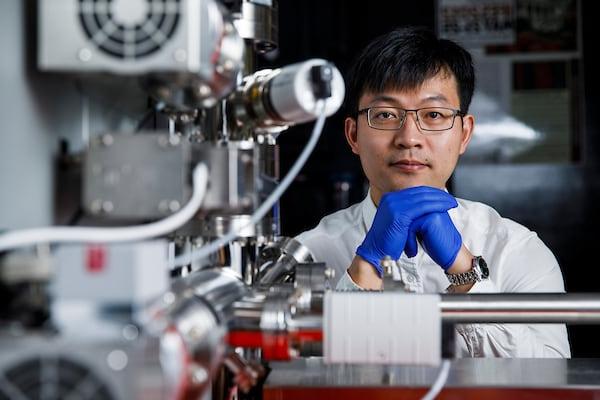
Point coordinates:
[[27, 237], [440, 381], [261, 211]]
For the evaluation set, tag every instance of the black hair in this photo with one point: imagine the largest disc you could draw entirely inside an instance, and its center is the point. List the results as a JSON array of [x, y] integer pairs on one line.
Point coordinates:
[[405, 58]]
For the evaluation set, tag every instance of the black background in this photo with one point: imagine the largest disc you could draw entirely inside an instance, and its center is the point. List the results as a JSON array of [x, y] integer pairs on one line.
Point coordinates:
[[557, 201]]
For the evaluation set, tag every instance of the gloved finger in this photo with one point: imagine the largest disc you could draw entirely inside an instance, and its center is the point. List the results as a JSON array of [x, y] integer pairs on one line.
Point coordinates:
[[428, 207], [438, 195], [415, 191], [411, 248], [414, 200]]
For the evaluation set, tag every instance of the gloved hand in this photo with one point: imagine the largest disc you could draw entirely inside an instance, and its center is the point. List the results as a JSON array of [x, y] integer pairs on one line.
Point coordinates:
[[439, 238], [395, 214]]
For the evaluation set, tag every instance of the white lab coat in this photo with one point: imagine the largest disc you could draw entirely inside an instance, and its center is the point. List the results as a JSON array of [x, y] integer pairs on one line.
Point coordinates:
[[518, 262]]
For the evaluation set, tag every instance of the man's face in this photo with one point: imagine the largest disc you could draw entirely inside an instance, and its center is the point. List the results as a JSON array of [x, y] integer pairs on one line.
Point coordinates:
[[405, 157]]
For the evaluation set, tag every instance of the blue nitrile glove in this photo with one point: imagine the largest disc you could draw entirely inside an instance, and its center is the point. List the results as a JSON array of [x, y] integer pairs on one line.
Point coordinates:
[[439, 238], [395, 214]]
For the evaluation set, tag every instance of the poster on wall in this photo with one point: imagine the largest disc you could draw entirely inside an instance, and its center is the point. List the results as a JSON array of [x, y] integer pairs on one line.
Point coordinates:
[[476, 23], [542, 26], [527, 101]]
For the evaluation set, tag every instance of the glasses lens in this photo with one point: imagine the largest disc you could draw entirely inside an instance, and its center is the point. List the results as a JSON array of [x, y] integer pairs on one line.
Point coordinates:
[[386, 117], [436, 118]]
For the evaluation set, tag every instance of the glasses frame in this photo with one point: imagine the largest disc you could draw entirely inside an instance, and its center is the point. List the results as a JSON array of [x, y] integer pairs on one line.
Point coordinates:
[[367, 110]]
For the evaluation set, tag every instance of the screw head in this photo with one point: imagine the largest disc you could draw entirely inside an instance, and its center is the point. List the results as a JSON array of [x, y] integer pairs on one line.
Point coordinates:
[[198, 374], [107, 139], [84, 54], [180, 55], [329, 273]]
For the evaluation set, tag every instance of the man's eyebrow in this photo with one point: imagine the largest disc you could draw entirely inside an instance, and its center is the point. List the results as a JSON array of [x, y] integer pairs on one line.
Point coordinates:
[[391, 99], [435, 97], [383, 97]]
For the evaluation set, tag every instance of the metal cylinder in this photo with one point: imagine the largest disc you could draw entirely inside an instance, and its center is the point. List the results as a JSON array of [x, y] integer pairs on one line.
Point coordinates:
[[572, 308]]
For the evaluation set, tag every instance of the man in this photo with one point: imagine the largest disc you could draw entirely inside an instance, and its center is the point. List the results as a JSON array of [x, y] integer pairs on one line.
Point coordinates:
[[407, 100]]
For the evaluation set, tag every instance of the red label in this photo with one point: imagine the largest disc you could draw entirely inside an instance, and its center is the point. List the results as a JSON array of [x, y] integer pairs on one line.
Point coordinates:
[[95, 259]]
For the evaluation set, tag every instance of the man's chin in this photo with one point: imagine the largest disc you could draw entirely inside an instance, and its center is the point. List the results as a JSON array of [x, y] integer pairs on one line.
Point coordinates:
[[408, 183]]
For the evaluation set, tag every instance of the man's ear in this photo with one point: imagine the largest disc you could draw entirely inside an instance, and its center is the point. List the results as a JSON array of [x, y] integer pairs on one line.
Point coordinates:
[[350, 129], [468, 123]]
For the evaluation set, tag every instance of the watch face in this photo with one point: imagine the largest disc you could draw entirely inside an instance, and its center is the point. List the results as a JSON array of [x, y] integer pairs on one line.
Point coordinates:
[[485, 272]]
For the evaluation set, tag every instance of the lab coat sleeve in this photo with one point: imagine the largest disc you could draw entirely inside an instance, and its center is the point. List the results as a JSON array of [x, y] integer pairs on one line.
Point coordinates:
[[528, 267], [347, 284]]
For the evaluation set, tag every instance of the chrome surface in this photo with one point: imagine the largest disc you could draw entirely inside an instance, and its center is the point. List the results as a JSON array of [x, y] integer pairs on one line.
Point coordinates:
[[574, 308], [466, 372], [280, 258]]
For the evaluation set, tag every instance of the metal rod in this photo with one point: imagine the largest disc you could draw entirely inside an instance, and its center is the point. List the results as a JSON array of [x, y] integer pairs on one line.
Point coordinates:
[[573, 308]]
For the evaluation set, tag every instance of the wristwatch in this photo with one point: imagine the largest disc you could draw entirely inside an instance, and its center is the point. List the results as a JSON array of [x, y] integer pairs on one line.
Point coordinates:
[[478, 272]]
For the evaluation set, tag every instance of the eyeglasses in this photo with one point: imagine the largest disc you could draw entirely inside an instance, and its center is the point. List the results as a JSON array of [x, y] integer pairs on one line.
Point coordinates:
[[433, 119]]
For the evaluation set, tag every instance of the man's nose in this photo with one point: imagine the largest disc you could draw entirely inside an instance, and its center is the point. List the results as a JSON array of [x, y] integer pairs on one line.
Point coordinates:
[[409, 134]]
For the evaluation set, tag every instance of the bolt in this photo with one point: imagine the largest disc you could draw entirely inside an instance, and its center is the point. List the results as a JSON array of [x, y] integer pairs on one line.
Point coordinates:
[[163, 141], [246, 201], [228, 65], [108, 206], [169, 298], [209, 102], [174, 205], [130, 332], [204, 90], [387, 265], [245, 158], [96, 206], [117, 360], [180, 55], [329, 273], [194, 333], [198, 374], [163, 206], [84, 54], [174, 140], [107, 139]]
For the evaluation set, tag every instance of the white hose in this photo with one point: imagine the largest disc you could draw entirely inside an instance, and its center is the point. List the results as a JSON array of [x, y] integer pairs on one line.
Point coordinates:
[[32, 236], [440, 381], [261, 211]]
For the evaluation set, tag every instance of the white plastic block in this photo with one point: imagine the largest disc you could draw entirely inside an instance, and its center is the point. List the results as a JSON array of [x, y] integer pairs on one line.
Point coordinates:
[[382, 328]]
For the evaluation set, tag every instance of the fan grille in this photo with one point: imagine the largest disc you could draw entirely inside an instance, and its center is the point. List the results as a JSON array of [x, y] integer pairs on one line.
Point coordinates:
[[52, 378], [131, 41]]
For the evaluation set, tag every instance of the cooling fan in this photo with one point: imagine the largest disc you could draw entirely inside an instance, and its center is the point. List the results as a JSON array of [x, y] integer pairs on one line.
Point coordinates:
[[129, 29], [52, 378]]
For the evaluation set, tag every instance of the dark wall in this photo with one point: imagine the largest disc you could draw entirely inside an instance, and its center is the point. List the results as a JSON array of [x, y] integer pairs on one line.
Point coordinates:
[[335, 30], [556, 200]]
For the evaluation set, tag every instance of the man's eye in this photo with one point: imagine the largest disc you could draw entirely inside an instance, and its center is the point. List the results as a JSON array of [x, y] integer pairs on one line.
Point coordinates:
[[385, 115], [433, 115]]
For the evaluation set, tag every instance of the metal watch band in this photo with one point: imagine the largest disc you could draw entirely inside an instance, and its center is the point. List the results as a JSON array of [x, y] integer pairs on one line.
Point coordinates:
[[471, 276]]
